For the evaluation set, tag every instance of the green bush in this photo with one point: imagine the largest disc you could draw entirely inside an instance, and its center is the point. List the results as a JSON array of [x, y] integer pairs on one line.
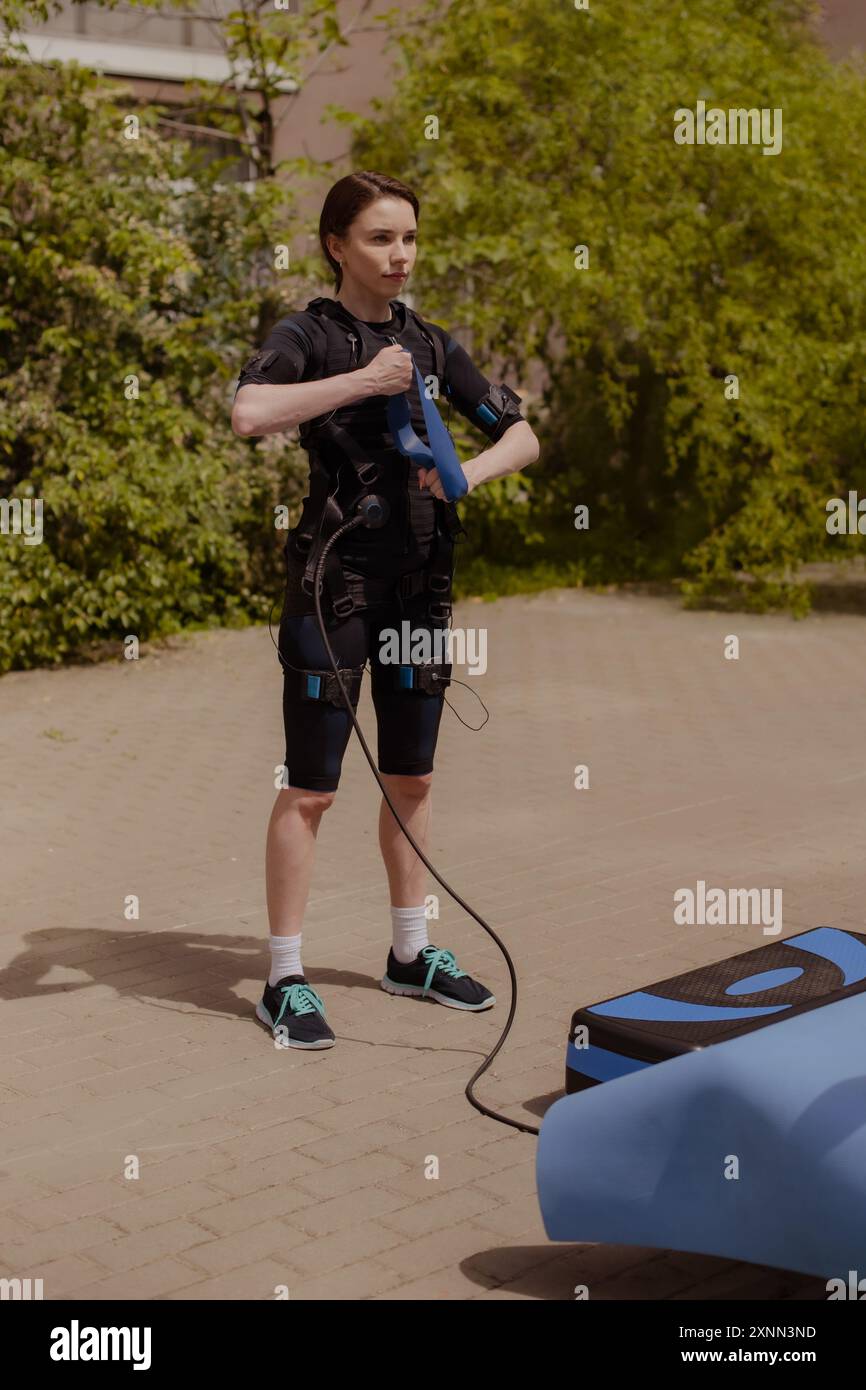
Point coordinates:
[[133, 290]]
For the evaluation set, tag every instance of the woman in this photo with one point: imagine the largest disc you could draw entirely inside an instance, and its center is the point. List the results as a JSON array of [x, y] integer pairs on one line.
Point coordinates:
[[330, 370]]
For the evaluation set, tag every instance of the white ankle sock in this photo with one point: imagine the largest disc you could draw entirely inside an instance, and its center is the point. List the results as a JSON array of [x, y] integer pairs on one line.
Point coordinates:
[[409, 932], [285, 957]]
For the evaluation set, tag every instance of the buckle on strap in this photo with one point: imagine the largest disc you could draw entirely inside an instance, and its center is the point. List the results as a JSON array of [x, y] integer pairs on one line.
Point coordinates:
[[440, 612], [342, 602], [298, 544], [343, 605], [368, 472], [410, 584]]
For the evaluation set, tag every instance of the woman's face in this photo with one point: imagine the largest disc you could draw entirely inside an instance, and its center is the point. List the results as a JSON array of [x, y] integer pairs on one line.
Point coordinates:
[[379, 244]]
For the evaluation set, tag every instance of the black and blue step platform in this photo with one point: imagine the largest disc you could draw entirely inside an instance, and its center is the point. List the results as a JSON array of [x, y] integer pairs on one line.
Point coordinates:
[[713, 1004], [721, 1111]]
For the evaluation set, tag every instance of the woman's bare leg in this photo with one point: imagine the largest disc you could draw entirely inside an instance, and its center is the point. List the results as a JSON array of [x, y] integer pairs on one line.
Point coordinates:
[[290, 855], [407, 875]]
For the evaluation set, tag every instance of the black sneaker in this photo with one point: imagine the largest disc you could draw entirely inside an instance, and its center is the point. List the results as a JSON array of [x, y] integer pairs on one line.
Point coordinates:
[[434, 974], [294, 1013]]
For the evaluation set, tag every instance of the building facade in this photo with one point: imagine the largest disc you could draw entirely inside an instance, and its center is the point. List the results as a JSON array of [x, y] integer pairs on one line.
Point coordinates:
[[156, 52]]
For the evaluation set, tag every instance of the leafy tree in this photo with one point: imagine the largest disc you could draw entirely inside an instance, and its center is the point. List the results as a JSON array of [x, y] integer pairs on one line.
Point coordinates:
[[554, 128]]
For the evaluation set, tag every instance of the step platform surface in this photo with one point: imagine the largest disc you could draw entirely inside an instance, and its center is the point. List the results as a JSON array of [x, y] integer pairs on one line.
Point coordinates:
[[736, 1122], [713, 1004]]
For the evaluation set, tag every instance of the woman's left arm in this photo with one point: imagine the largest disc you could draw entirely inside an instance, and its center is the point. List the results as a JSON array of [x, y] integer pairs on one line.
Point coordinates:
[[469, 390], [513, 452], [517, 448]]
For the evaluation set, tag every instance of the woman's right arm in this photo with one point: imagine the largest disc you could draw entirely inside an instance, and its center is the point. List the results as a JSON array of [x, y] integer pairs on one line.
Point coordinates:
[[270, 408]]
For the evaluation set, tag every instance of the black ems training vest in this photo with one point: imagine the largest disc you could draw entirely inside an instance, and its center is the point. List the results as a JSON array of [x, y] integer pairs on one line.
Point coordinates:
[[352, 453]]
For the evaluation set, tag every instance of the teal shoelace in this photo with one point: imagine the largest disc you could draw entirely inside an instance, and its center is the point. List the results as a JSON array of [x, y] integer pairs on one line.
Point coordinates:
[[301, 999], [440, 960]]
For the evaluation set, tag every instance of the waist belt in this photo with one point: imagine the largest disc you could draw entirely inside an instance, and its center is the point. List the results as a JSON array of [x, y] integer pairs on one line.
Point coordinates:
[[346, 593], [371, 589]]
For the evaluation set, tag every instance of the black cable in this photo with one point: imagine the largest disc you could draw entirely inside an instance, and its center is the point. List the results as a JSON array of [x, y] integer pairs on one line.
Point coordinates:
[[492, 1114]]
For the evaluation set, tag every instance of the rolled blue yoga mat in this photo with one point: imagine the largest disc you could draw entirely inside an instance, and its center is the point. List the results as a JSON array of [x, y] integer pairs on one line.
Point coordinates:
[[642, 1159], [440, 453]]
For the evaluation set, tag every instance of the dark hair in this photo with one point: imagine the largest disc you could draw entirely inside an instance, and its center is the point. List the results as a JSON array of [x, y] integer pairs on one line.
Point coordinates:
[[348, 197]]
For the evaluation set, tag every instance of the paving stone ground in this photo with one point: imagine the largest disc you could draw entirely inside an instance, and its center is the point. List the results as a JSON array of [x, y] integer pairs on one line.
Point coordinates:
[[135, 1039]]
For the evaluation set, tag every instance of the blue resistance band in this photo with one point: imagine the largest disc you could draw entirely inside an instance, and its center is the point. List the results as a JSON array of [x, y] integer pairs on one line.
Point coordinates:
[[440, 453]]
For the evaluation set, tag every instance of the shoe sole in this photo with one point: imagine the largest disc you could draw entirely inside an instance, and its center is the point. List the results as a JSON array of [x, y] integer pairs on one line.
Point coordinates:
[[264, 1019], [418, 992]]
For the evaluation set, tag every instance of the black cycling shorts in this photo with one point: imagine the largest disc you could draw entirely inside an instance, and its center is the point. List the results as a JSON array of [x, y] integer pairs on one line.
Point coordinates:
[[317, 732]]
